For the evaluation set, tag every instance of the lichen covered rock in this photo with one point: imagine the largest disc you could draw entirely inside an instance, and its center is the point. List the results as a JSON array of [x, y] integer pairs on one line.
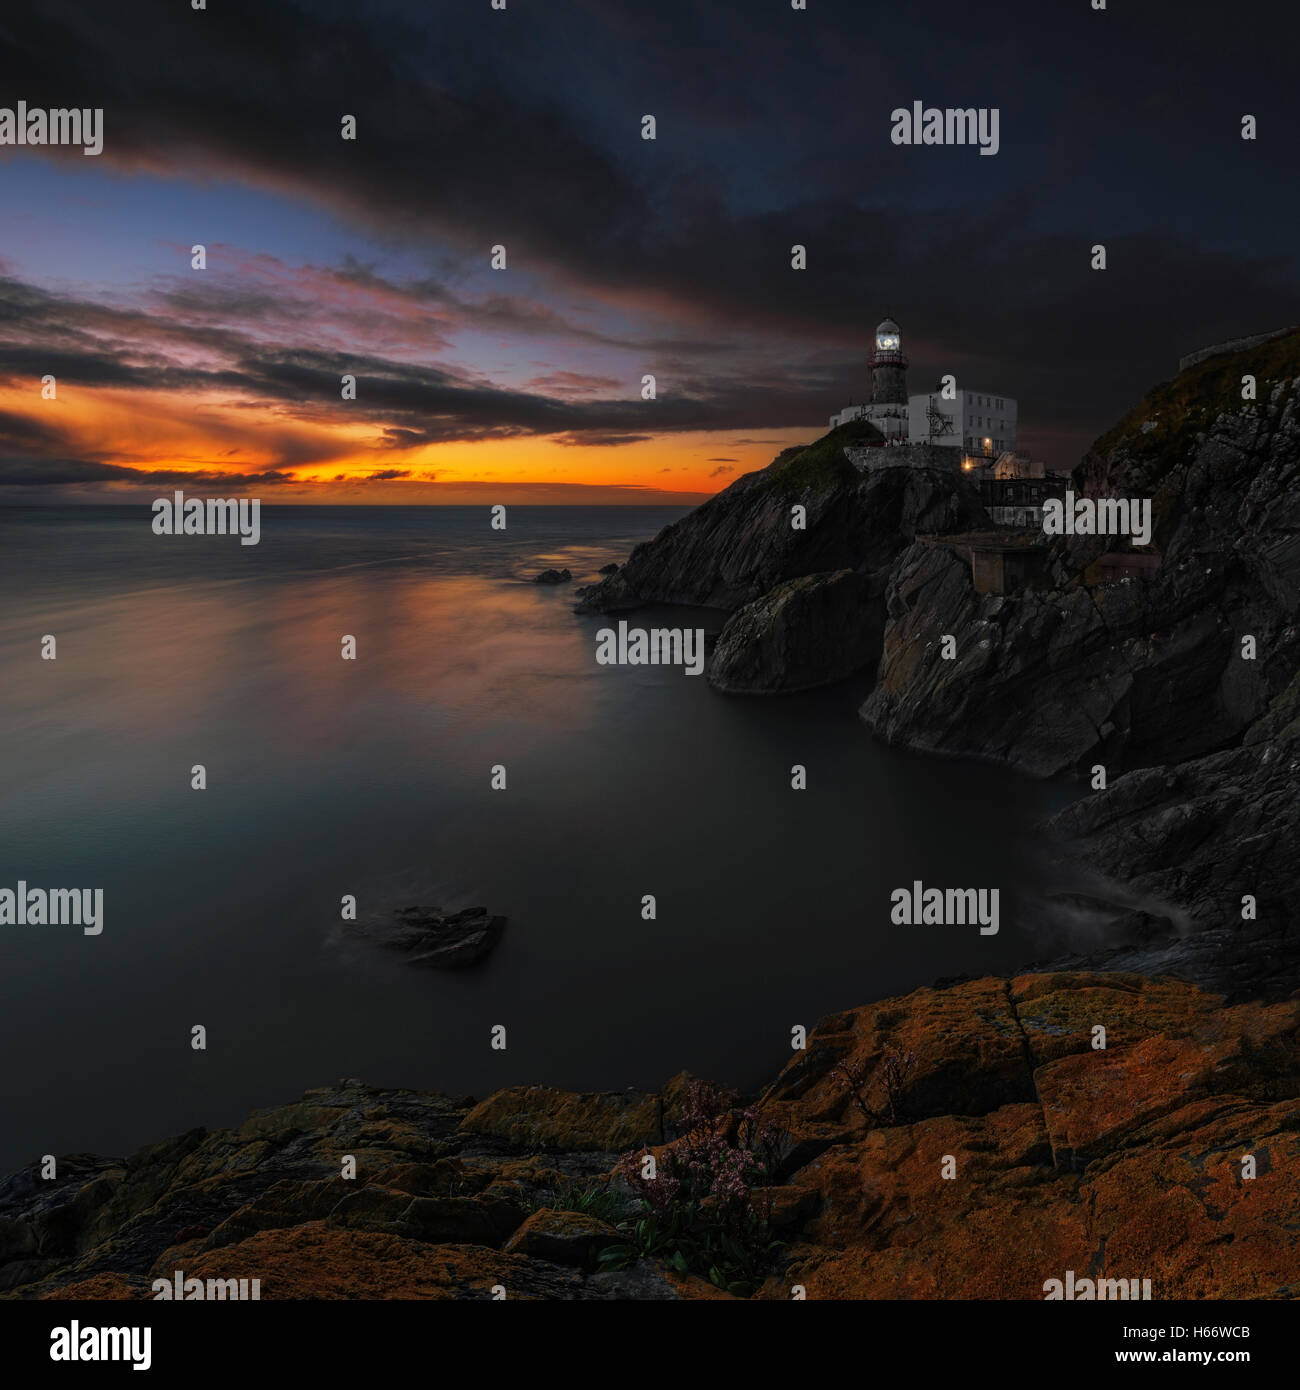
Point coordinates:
[[973, 1141]]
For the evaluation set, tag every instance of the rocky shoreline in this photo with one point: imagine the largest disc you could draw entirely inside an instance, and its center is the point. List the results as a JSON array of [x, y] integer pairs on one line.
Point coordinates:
[[1008, 1150]]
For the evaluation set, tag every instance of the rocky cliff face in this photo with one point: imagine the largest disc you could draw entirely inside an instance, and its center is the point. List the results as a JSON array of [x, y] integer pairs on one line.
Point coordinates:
[[1217, 836], [741, 546], [1125, 673], [1117, 1163], [1155, 678], [800, 634]]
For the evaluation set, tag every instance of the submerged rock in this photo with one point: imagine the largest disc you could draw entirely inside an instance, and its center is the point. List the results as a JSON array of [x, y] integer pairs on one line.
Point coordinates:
[[553, 577], [447, 940]]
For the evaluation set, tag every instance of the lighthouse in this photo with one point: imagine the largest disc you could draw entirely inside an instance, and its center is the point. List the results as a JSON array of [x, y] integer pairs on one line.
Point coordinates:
[[888, 407], [950, 426], [889, 367]]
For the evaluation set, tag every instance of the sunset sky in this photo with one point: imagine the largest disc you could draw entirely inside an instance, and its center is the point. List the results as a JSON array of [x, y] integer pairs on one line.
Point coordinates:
[[625, 257]]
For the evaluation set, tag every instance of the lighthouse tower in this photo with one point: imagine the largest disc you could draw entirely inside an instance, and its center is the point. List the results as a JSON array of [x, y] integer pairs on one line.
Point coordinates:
[[888, 408], [889, 367]]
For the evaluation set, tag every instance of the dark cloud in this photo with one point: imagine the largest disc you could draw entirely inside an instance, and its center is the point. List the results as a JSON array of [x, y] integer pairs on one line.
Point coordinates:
[[527, 133], [33, 471], [24, 432], [595, 439]]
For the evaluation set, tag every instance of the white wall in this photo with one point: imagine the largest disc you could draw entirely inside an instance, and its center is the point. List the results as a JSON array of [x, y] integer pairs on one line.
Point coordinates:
[[976, 416], [987, 415]]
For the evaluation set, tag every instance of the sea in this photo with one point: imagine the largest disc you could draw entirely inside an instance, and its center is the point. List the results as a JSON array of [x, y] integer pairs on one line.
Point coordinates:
[[372, 778]]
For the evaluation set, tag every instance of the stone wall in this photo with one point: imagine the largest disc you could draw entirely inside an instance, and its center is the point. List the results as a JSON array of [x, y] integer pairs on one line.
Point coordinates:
[[938, 456]]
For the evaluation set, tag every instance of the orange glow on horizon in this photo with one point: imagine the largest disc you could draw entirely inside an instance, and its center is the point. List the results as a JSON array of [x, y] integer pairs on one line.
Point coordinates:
[[325, 457]]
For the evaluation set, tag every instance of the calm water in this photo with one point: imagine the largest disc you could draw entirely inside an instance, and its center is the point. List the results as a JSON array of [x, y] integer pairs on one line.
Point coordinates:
[[372, 777]]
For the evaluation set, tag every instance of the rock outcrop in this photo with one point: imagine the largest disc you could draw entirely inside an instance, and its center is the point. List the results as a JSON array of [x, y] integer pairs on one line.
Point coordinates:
[[1017, 1150], [1113, 1163], [741, 547], [801, 633], [1217, 836], [445, 940]]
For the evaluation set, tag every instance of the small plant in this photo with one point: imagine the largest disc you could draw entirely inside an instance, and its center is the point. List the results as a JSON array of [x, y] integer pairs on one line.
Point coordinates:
[[602, 1201], [697, 1208], [891, 1077], [735, 1256]]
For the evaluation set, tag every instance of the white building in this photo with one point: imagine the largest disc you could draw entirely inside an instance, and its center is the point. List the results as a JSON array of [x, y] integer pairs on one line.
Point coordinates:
[[981, 424]]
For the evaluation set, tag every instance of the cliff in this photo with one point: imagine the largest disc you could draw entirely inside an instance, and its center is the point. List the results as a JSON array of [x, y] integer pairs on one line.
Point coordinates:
[[1153, 681], [1114, 1163], [1216, 835], [1128, 673], [743, 550]]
